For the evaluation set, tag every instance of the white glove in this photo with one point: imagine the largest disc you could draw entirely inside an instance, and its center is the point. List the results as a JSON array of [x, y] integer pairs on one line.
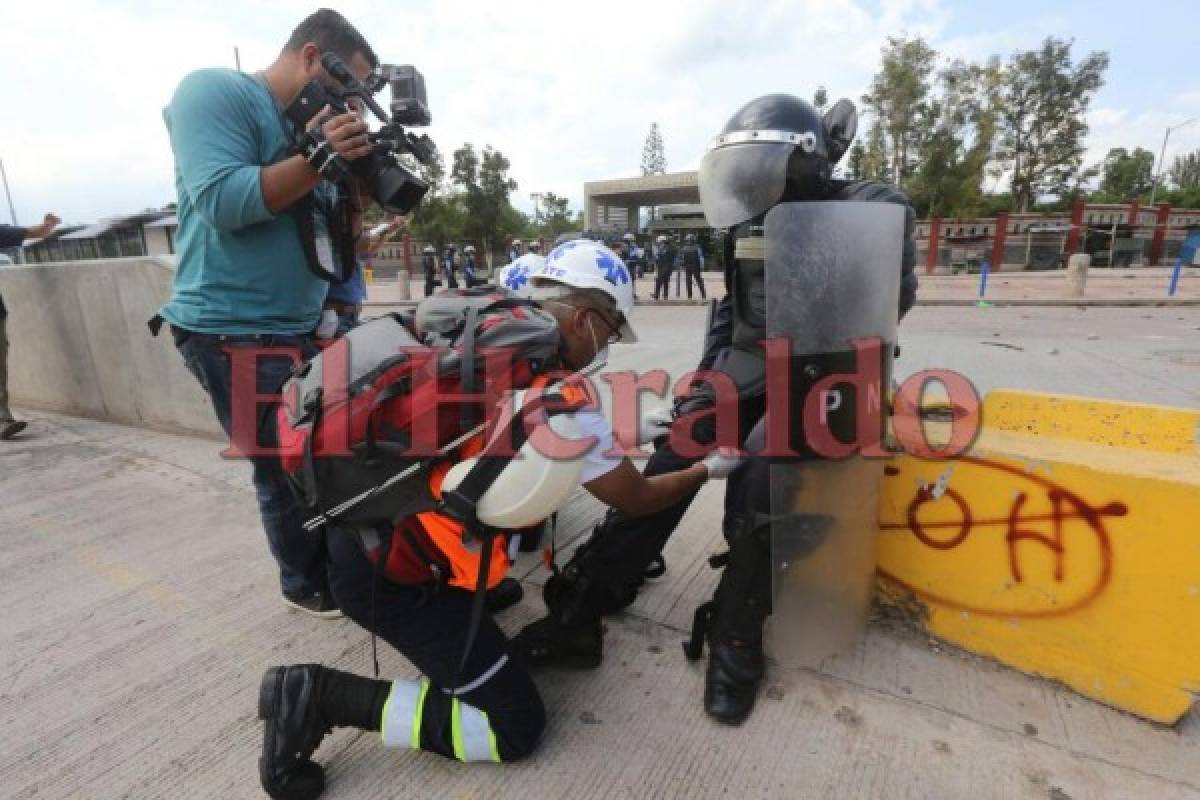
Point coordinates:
[[655, 423], [721, 462]]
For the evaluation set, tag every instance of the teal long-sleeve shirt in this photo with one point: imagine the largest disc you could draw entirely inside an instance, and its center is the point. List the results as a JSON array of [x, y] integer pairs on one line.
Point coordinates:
[[240, 269]]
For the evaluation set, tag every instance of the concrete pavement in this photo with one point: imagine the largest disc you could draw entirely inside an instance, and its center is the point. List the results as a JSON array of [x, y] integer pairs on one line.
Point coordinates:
[[1122, 287], [138, 608]]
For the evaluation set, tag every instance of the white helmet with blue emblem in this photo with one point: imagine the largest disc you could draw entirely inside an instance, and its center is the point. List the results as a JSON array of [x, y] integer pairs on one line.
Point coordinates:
[[584, 264], [516, 276]]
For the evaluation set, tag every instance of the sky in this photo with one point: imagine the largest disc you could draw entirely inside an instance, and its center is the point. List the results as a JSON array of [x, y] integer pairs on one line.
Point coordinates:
[[567, 91]]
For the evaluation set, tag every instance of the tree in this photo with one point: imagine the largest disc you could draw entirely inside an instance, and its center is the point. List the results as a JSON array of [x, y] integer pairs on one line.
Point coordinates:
[[486, 186], [873, 164], [1127, 174], [1044, 98], [1185, 171], [898, 99], [855, 161], [654, 158], [953, 155], [441, 216], [820, 99]]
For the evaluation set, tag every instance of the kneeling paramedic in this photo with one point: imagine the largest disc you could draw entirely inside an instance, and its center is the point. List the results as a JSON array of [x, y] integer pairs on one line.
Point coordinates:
[[476, 701]]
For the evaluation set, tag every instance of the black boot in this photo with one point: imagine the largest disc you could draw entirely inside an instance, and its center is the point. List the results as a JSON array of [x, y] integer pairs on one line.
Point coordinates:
[[731, 683], [293, 727], [548, 643], [571, 635]]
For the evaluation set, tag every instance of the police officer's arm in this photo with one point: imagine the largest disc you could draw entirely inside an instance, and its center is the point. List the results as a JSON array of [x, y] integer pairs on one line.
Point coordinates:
[[626, 489], [875, 192]]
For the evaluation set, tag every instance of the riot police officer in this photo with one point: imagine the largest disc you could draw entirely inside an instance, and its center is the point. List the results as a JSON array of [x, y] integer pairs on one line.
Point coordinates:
[[691, 258], [776, 149], [470, 270], [429, 267], [448, 259], [664, 265]]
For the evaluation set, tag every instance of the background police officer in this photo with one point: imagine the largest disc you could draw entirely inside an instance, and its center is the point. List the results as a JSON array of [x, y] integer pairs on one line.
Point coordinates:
[[691, 258], [664, 264], [429, 267]]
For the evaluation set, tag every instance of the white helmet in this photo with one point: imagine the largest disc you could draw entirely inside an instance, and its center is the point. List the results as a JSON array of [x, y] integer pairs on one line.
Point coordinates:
[[629, 237], [516, 276], [533, 485], [516, 242], [661, 239], [535, 245], [428, 249], [469, 248], [584, 264]]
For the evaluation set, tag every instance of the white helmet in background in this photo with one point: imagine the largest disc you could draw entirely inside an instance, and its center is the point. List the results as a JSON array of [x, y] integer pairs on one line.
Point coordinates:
[[534, 245], [516, 276], [584, 264]]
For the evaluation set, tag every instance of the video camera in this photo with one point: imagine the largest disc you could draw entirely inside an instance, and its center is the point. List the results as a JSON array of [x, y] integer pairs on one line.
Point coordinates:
[[395, 187]]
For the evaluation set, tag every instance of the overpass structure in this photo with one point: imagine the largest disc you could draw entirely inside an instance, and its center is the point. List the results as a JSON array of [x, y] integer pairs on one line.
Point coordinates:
[[617, 204]]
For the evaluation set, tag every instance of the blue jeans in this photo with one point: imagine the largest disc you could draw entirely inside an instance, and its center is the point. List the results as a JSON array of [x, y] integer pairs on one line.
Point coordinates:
[[300, 554]]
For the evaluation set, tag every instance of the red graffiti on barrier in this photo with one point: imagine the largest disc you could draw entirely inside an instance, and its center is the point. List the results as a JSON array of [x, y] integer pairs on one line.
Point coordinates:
[[1043, 529]]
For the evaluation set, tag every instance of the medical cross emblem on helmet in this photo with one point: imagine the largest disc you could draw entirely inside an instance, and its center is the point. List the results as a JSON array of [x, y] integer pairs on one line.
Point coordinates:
[[517, 277], [614, 271]]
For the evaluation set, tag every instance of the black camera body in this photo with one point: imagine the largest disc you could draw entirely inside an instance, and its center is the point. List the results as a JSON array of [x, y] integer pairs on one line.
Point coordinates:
[[395, 187]]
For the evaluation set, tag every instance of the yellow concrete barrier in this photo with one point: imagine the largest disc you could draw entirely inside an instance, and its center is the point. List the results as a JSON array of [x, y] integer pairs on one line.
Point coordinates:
[[1065, 543]]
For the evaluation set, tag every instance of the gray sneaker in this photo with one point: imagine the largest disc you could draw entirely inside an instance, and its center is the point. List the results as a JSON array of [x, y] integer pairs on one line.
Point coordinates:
[[319, 604]]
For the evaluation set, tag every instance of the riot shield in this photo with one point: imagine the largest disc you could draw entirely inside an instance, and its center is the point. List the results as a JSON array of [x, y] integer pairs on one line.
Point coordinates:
[[832, 278]]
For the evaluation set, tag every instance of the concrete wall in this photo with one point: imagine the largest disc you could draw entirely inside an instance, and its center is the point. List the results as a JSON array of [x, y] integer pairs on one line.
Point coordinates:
[[79, 344], [158, 241]]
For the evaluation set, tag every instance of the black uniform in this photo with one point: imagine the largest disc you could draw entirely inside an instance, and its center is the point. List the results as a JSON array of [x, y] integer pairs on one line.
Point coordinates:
[[689, 257], [429, 267], [664, 265], [755, 165]]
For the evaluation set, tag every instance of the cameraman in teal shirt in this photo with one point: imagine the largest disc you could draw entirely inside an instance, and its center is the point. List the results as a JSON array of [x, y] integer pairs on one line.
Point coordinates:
[[242, 279]]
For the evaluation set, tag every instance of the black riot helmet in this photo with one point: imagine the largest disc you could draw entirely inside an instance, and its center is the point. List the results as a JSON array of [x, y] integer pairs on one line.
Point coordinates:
[[776, 148]]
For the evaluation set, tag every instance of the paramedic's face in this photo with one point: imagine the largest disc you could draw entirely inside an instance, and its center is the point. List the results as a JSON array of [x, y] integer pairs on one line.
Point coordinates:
[[585, 332]]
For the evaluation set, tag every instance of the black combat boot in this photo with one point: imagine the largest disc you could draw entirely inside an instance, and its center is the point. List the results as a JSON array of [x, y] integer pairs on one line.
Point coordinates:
[[735, 671], [292, 728], [572, 634]]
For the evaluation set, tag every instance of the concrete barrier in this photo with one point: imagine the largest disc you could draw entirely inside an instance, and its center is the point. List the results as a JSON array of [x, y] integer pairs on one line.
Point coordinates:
[[79, 344], [1065, 543]]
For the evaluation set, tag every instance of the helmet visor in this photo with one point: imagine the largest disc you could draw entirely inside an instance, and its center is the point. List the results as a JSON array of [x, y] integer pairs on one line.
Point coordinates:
[[740, 181]]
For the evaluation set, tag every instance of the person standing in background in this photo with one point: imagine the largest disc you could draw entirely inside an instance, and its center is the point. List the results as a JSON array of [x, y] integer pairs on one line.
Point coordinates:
[[13, 236], [448, 279], [429, 267]]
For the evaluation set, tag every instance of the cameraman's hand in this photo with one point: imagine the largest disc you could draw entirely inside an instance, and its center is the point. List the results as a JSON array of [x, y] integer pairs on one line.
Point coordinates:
[[347, 134]]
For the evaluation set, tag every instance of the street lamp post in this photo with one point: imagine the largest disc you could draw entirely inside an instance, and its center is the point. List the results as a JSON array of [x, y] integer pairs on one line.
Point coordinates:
[[12, 211], [1163, 153]]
